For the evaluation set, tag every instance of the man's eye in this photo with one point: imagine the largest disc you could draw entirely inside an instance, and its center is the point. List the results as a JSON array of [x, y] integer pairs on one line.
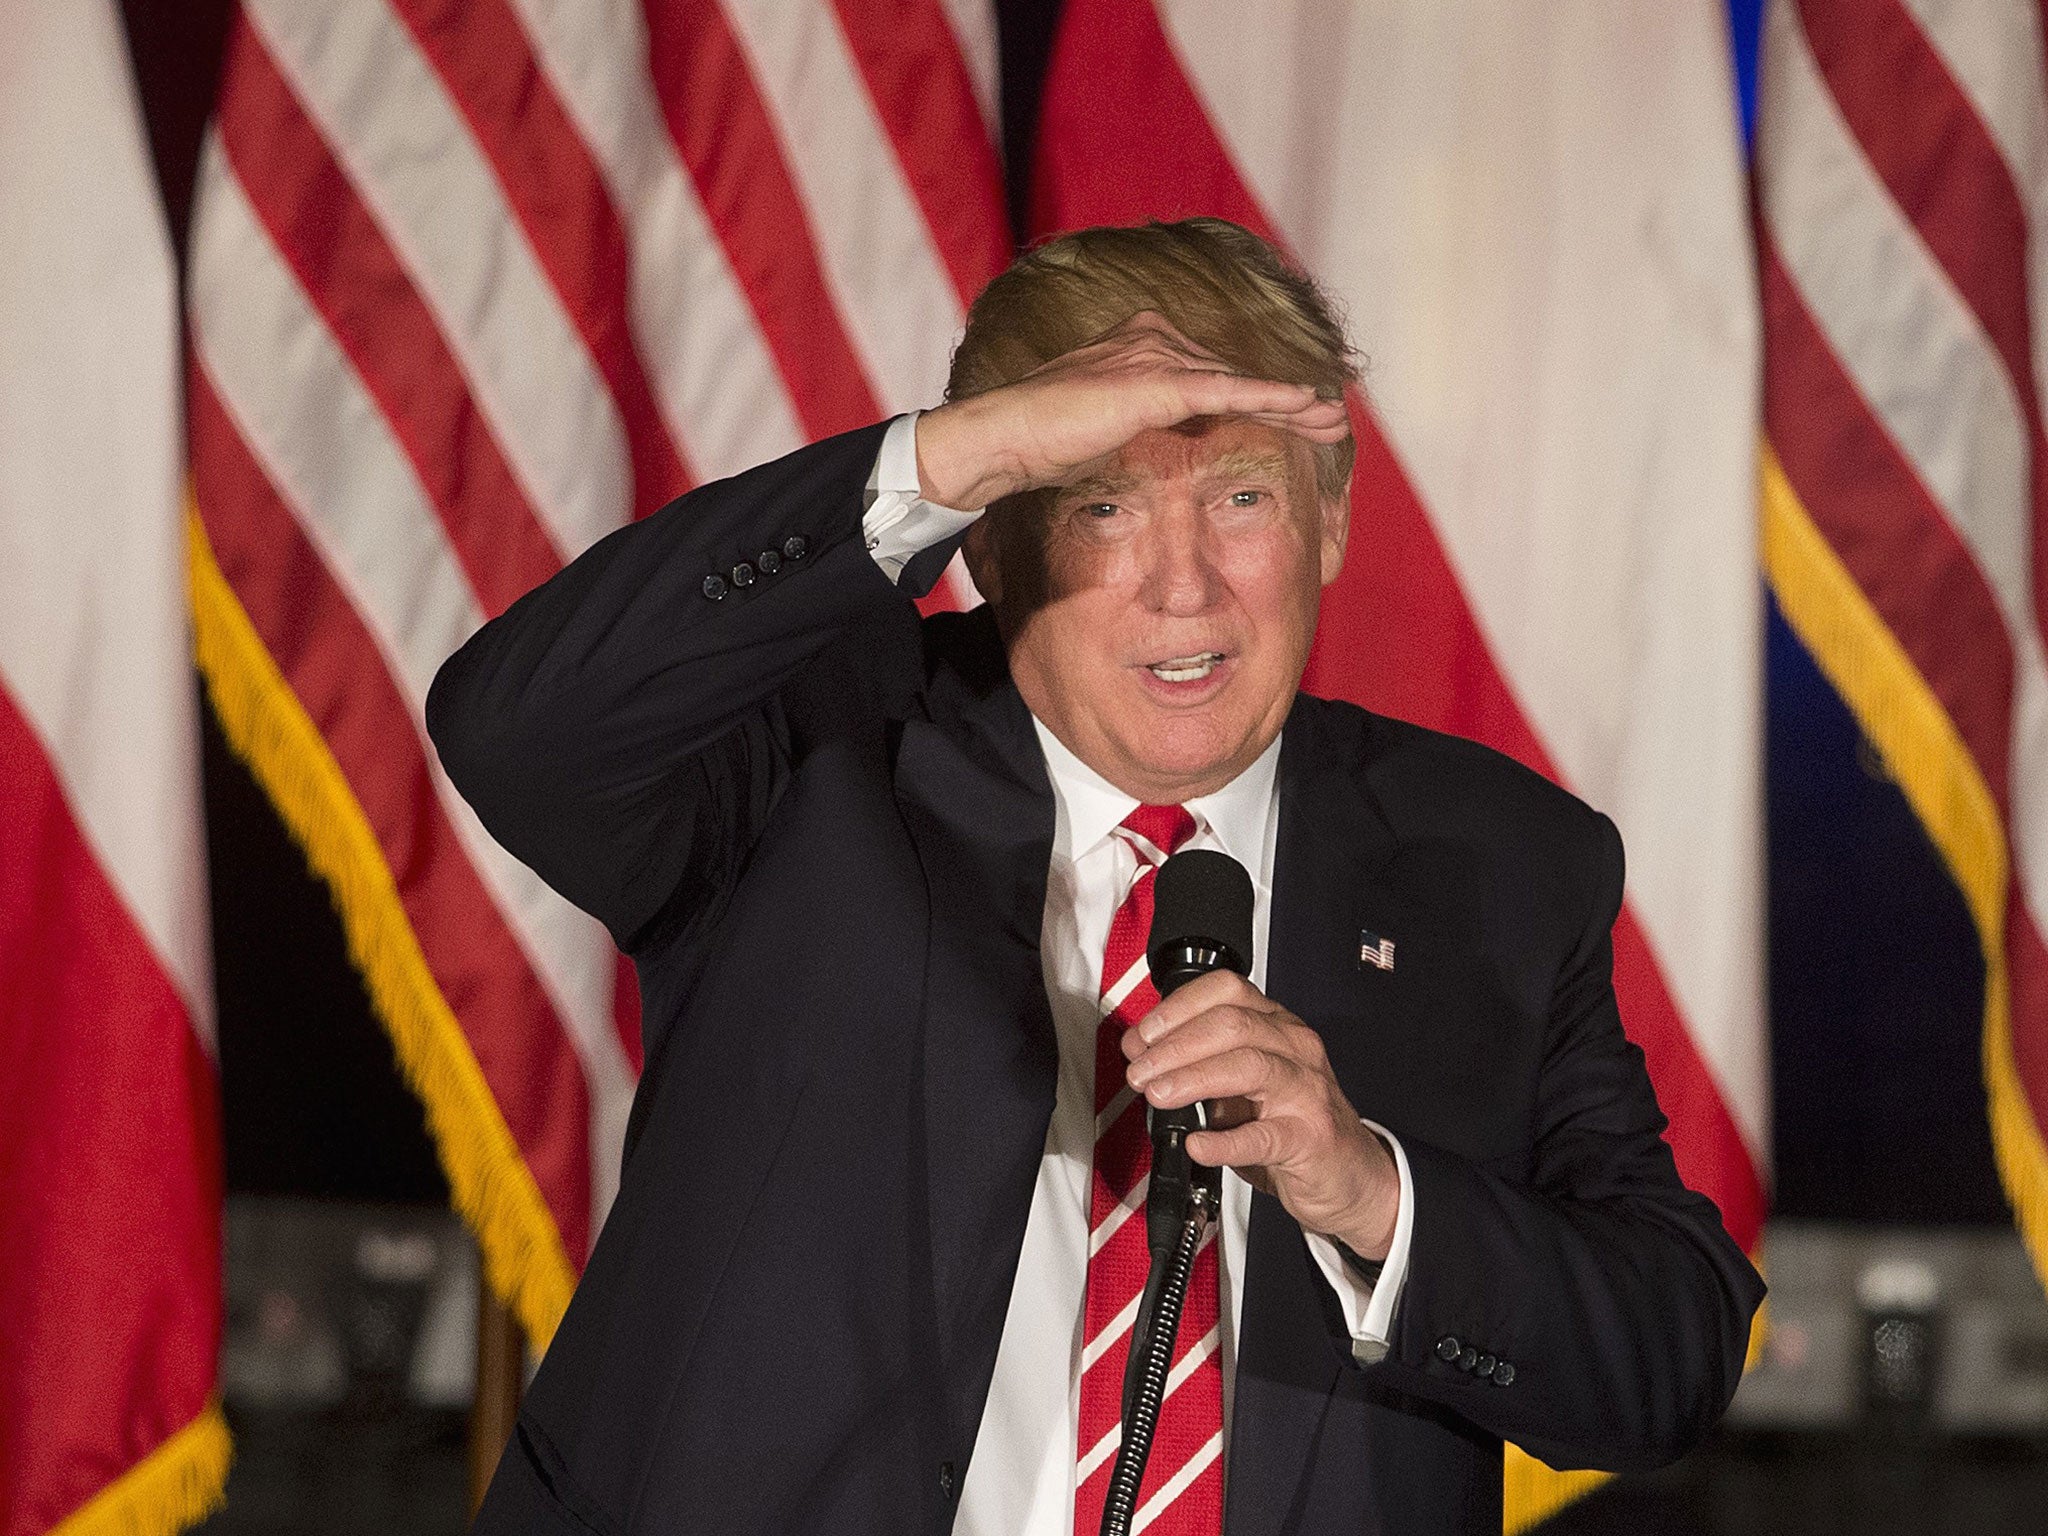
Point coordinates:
[[1246, 498], [1101, 509]]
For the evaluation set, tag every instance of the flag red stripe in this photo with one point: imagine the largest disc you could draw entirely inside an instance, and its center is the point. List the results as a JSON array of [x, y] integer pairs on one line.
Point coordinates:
[[1396, 634], [1890, 534], [334, 667], [559, 197], [918, 81], [109, 1168], [1705, 1143], [357, 284], [726, 138]]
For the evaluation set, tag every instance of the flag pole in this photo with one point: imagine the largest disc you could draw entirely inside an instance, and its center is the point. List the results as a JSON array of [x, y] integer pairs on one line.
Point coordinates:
[[500, 1373]]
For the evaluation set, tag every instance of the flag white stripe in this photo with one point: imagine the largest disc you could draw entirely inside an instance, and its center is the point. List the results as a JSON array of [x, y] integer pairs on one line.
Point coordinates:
[[1919, 359], [974, 32], [712, 373], [94, 645], [351, 488], [1976, 40], [1171, 1489], [887, 280], [1994, 50], [412, 159]]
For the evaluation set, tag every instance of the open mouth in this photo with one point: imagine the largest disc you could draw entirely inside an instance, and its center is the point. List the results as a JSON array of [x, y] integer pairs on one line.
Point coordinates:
[[1186, 669]]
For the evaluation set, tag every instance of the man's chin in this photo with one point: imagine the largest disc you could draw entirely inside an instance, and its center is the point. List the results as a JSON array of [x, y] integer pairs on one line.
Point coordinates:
[[1181, 759]]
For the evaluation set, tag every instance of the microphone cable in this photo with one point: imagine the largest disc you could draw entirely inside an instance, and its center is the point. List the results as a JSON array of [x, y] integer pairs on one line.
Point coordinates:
[[1153, 1332]]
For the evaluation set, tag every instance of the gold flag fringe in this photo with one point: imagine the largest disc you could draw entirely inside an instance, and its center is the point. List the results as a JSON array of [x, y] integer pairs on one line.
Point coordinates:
[[1919, 743], [1532, 1492], [523, 1258], [176, 1485]]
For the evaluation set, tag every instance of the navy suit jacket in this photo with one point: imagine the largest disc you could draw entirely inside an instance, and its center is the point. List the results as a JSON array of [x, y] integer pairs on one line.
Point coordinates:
[[822, 830]]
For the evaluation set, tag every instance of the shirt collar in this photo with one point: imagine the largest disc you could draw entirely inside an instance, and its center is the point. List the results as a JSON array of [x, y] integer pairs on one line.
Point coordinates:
[[1090, 807]]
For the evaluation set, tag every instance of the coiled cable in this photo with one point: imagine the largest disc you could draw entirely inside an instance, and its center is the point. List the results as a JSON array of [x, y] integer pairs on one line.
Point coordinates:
[[1166, 1290]]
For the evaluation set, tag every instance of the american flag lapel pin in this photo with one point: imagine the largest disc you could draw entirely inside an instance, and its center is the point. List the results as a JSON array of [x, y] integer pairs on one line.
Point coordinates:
[[1374, 950]]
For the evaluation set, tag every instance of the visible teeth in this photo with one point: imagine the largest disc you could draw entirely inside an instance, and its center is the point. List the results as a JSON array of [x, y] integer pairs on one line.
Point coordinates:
[[1187, 669]]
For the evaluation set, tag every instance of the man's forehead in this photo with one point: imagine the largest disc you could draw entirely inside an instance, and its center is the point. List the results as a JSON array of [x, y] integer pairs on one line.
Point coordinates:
[[1205, 449]]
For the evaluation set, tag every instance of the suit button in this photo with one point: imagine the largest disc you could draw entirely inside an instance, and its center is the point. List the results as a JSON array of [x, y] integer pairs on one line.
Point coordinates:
[[768, 562], [1447, 1348], [795, 547], [714, 587], [1503, 1374], [743, 575], [1468, 1359], [1485, 1366]]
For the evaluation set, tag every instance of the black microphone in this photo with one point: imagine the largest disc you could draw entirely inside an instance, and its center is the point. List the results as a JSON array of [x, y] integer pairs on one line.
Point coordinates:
[[1201, 922]]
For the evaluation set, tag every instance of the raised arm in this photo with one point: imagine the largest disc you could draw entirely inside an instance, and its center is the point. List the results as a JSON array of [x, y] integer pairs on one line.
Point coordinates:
[[621, 724]]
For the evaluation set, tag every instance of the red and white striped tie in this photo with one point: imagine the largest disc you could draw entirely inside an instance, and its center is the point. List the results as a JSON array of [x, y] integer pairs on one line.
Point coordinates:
[[1182, 1494]]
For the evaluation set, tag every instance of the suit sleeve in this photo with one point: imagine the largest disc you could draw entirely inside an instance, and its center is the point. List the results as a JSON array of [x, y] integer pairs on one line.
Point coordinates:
[[624, 728], [1609, 1301]]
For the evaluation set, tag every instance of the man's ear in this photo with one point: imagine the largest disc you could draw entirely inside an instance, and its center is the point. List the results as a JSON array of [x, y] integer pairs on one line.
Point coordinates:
[[1336, 530], [979, 550]]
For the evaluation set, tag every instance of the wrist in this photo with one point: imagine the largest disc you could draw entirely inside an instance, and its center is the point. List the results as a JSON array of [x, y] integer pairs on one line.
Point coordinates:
[[1368, 1233], [952, 470]]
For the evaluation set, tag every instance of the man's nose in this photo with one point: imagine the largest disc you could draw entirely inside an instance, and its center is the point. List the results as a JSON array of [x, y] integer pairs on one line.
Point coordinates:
[[1180, 576]]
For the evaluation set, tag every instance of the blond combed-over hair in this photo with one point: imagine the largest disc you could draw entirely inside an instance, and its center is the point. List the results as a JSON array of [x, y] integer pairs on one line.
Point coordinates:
[[1228, 291]]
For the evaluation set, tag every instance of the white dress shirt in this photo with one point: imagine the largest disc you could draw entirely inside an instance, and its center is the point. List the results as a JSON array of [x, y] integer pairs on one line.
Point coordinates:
[[1021, 1480]]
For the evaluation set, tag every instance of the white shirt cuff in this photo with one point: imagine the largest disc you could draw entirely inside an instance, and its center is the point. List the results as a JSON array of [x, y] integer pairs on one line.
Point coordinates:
[[1369, 1307], [898, 524]]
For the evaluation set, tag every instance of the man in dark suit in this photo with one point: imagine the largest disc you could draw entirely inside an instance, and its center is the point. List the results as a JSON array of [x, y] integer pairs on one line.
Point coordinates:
[[880, 880]]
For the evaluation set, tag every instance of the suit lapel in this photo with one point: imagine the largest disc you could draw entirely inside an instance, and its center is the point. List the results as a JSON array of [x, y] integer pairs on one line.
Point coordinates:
[[979, 808], [1332, 842]]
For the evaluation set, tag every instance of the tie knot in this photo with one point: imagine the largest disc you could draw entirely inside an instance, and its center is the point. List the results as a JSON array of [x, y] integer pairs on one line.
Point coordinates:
[[1163, 827]]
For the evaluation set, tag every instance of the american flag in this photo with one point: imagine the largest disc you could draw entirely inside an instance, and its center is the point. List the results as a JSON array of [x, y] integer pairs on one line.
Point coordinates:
[[472, 283], [1902, 169]]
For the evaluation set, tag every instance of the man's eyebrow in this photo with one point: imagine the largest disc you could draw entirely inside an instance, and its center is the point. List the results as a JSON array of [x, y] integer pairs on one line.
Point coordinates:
[[1094, 486], [1247, 464]]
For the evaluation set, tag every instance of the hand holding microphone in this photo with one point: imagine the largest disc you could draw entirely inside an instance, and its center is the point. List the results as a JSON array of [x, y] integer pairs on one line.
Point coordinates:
[[1275, 1112]]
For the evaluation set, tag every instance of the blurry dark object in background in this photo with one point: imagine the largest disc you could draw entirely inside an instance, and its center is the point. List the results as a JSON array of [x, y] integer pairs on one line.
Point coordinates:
[[1900, 1299], [347, 1368]]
